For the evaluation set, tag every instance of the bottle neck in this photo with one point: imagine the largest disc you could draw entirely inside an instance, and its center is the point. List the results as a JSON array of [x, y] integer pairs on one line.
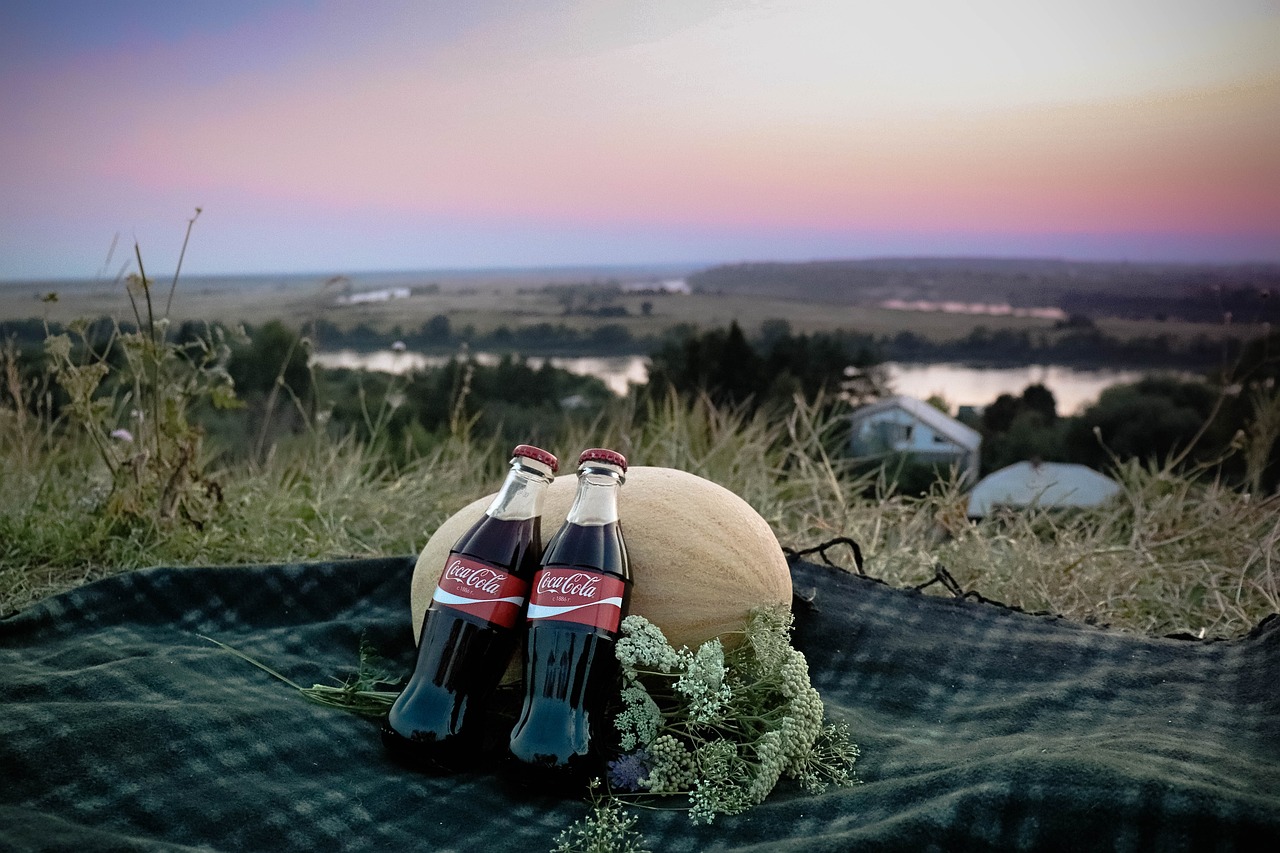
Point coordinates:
[[522, 493], [596, 502]]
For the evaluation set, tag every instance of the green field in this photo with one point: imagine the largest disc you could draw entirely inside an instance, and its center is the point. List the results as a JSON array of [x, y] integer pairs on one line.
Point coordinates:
[[523, 299]]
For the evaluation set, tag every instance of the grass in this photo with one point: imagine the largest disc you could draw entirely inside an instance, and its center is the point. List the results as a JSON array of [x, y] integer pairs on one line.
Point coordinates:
[[1170, 555], [1175, 553], [310, 499]]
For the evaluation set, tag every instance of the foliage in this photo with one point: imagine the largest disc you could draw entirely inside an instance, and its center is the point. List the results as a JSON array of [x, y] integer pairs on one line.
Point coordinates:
[[385, 460], [509, 402], [512, 397], [607, 828], [1150, 419], [719, 363], [132, 398], [270, 357], [1023, 427], [725, 366], [328, 491], [1190, 545], [439, 334], [723, 725], [1227, 429]]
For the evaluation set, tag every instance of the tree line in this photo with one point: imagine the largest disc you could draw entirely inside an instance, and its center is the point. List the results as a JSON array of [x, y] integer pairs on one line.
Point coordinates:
[[1228, 426], [1076, 341], [269, 366]]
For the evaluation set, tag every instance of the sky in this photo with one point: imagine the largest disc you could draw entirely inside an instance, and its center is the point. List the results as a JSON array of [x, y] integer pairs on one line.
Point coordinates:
[[332, 136]]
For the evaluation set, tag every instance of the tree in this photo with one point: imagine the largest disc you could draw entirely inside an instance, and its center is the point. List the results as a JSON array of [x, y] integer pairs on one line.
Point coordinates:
[[1151, 419], [998, 416], [1027, 438], [720, 363], [772, 331], [273, 351], [1039, 399], [437, 329], [1019, 428]]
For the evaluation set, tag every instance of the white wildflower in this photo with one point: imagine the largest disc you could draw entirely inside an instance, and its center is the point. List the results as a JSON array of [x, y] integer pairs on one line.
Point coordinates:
[[644, 646], [769, 754], [639, 720], [703, 683], [725, 726], [607, 827]]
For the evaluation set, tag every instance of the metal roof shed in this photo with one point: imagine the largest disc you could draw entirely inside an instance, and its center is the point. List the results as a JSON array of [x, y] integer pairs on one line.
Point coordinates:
[[1044, 484]]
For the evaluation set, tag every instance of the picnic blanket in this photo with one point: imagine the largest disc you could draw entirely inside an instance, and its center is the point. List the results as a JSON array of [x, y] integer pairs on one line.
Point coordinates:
[[982, 728]]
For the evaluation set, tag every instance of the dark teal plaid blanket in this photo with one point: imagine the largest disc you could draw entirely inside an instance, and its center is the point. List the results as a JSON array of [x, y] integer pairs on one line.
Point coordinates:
[[982, 728]]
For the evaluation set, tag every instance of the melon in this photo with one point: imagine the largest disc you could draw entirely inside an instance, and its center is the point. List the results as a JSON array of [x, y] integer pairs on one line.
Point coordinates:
[[701, 557]]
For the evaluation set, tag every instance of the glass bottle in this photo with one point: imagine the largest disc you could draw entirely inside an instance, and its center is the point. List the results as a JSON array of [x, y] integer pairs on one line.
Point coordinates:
[[580, 596], [472, 624]]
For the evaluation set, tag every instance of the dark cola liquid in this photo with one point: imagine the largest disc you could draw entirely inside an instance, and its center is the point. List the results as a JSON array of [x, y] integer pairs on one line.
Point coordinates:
[[570, 673], [436, 721]]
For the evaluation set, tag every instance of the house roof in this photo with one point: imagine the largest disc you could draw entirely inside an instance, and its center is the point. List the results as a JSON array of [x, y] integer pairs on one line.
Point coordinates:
[[937, 420], [1046, 484]]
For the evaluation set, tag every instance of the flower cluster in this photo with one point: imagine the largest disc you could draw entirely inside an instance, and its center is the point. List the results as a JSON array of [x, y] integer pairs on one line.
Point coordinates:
[[703, 684], [640, 718], [723, 725], [644, 646], [607, 828]]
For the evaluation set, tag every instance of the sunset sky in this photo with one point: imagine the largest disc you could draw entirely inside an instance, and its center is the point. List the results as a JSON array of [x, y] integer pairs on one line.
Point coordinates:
[[334, 136]]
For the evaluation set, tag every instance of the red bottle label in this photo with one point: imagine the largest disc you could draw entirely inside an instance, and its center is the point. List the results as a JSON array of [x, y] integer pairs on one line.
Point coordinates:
[[482, 590], [562, 594]]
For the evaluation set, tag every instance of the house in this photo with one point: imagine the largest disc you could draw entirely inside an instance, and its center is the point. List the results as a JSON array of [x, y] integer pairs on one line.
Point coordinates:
[[1044, 484], [906, 425], [384, 295], [671, 285]]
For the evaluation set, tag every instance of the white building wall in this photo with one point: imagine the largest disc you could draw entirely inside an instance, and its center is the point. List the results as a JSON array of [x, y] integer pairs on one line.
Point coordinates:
[[918, 438]]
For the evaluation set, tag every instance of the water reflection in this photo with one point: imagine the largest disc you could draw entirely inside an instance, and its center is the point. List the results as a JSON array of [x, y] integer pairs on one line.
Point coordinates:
[[958, 384], [1073, 390], [615, 371]]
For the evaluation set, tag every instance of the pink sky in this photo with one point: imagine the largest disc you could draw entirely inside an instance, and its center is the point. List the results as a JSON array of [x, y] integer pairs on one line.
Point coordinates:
[[343, 136]]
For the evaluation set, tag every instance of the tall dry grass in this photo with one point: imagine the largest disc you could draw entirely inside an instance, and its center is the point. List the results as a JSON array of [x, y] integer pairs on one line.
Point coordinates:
[[1176, 552]]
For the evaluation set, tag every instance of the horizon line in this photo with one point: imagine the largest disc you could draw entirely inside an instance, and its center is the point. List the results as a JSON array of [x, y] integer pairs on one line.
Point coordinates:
[[692, 266]]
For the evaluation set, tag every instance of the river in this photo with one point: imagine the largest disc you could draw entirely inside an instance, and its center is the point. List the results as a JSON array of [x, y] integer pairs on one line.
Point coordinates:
[[616, 371], [958, 384]]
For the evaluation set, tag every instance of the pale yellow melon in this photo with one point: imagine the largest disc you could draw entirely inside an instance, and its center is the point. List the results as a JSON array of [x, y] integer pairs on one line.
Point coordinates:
[[701, 557]]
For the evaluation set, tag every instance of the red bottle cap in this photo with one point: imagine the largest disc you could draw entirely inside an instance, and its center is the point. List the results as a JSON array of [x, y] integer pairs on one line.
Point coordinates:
[[537, 454], [600, 454]]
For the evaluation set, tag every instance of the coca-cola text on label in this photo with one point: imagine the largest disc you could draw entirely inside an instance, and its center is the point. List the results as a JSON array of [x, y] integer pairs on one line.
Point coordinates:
[[470, 628], [482, 590], [573, 595], [576, 606]]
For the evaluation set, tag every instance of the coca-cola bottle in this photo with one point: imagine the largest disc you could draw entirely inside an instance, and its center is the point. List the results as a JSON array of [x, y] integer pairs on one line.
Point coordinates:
[[579, 598], [472, 624]]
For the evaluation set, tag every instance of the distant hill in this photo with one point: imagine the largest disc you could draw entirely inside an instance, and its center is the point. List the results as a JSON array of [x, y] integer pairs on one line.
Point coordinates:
[[1184, 291]]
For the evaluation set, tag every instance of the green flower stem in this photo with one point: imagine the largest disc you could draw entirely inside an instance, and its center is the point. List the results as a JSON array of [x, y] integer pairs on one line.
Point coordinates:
[[349, 697]]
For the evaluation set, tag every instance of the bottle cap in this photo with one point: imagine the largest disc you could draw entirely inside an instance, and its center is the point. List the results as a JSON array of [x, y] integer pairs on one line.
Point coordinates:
[[600, 454], [538, 455]]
